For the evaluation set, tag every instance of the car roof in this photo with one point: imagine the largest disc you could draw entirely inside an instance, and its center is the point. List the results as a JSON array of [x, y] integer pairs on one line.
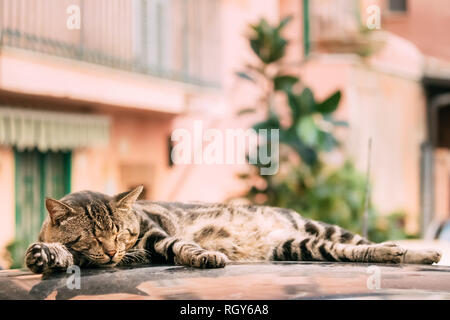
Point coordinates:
[[252, 281]]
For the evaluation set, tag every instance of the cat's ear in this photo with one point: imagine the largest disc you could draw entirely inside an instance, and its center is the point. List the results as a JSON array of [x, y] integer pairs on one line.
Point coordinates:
[[57, 210], [126, 199]]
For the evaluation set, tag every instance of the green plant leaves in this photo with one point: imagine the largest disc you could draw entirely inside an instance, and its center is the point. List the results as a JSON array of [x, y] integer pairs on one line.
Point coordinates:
[[245, 76], [308, 131], [301, 105], [267, 42], [284, 83], [246, 111], [291, 138], [330, 104], [313, 137], [326, 141], [337, 123], [295, 105], [272, 122], [307, 100], [330, 194], [284, 22]]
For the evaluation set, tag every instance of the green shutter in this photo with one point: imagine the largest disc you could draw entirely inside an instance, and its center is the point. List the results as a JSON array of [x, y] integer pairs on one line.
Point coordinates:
[[37, 175]]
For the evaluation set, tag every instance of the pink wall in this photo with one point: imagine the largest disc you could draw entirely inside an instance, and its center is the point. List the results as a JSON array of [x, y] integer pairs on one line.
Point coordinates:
[[426, 24], [218, 110], [138, 143], [76, 80]]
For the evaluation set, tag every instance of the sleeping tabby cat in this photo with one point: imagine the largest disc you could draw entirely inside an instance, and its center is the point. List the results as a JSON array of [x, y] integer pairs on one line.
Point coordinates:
[[92, 229]]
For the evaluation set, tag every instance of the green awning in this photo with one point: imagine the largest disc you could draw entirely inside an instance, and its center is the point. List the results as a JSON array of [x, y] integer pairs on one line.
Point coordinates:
[[48, 130]]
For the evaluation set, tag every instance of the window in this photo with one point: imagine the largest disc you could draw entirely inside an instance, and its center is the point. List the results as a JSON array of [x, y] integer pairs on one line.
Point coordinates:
[[178, 39], [398, 6]]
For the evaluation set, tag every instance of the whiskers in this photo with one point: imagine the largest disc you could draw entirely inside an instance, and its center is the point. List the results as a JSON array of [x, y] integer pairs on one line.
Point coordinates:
[[92, 259], [136, 255]]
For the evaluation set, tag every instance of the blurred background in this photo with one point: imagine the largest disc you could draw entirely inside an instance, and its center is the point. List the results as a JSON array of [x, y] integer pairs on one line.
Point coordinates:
[[90, 92]]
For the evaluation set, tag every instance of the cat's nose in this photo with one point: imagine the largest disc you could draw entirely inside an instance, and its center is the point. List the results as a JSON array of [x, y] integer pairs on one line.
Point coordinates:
[[110, 253]]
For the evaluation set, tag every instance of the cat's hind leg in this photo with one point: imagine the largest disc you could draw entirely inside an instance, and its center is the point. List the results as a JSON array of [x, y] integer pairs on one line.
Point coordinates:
[[337, 234], [317, 249], [421, 256], [416, 256], [319, 229], [332, 233]]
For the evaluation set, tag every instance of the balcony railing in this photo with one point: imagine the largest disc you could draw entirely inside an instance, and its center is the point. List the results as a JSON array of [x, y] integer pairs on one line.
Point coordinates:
[[334, 19], [337, 27], [172, 39]]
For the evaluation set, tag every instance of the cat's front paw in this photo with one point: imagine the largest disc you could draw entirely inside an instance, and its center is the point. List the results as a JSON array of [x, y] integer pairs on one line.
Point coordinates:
[[209, 259], [38, 257]]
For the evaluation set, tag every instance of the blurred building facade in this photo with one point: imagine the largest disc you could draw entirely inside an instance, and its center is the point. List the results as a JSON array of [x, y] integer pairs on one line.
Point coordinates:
[[94, 107]]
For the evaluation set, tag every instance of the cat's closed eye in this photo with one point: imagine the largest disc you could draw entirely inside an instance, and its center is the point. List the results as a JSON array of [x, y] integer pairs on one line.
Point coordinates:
[[72, 242], [133, 234], [125, 235]]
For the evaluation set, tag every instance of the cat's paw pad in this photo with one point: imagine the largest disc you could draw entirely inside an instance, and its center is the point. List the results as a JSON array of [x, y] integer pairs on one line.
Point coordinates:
[[388, 253], [209, 259], [38, 257]]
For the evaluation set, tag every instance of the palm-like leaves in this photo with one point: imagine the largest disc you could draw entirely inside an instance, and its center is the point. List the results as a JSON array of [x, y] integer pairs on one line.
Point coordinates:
[[303, 134]]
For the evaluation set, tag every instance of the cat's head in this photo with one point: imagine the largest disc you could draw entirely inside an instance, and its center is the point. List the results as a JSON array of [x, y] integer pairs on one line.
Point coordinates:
[[99, 227]]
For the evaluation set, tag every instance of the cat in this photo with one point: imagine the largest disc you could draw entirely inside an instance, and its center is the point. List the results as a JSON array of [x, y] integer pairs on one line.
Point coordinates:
[[92, 229]]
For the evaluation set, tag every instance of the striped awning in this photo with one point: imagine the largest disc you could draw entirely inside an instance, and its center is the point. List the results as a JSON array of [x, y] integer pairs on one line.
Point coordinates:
[[48, 130]]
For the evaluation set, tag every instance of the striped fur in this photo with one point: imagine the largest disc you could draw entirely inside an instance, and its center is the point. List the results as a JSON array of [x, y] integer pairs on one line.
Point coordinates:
[[92, 229]]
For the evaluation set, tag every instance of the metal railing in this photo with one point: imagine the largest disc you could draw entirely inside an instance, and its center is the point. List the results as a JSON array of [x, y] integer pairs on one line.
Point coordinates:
[[172, 39], [334, 19]]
